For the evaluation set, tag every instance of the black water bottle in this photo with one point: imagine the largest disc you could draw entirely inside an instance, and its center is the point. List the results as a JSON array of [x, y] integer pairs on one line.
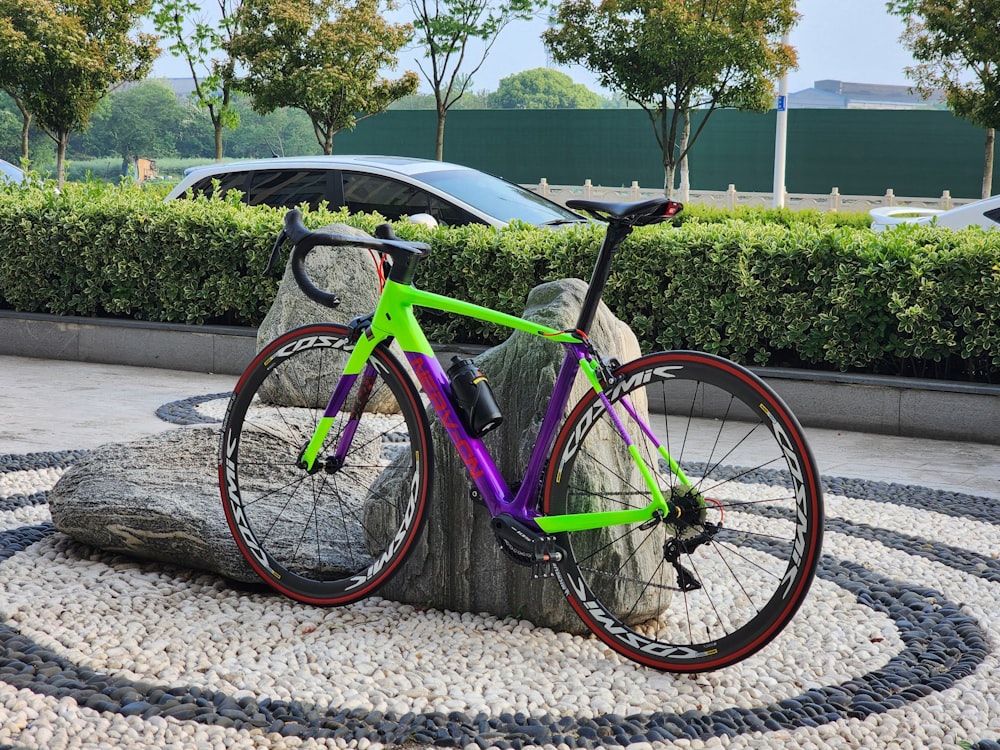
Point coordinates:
[[473, 397]]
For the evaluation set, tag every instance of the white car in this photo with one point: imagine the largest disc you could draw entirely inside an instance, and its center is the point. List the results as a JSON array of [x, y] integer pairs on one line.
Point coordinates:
[[394, 186], [984, 213]]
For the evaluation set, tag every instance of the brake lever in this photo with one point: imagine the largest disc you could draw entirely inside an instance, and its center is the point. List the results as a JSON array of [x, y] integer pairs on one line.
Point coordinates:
[[275, 252]]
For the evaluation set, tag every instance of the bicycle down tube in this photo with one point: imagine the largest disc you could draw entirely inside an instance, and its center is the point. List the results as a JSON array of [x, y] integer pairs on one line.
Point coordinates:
[[395, 313]]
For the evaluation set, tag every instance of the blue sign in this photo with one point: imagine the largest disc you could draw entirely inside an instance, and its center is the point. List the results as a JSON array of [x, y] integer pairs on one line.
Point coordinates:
[[782, 102]]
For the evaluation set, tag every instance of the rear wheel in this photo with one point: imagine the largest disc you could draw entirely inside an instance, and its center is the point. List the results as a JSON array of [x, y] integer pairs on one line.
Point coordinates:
[[331, 535], [717, 581]]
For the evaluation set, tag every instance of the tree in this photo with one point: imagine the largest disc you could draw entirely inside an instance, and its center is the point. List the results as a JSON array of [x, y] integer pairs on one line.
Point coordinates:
[[444, 29], [140, 120], [15, 51], [956, 44], [324, 57], [43, 155], [8, 127], [674, 56], [543, 88], [196, 40], [70, 54]]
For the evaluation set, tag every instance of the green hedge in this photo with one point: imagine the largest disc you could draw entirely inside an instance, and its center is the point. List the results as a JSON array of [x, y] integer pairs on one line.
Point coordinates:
[[762, 287]]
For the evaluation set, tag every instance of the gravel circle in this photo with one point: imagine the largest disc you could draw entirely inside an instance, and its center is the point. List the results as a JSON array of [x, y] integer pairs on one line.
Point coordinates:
[[897, 645], [188, 411]]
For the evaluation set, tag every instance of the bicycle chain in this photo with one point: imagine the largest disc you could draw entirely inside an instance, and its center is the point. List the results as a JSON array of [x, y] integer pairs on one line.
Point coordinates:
[[646, 584]]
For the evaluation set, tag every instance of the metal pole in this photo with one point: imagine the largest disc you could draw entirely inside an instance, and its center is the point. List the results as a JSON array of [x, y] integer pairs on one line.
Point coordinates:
[[781, 137]]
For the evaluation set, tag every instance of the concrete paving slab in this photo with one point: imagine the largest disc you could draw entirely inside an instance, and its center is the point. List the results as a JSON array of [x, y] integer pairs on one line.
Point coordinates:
[[49, 405]]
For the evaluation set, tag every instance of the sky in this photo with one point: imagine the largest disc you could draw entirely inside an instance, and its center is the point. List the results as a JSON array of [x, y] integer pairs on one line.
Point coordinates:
[[847, 40]]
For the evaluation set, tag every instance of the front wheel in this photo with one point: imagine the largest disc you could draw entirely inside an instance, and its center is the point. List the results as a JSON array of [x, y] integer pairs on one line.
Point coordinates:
[[719, 578], [332, 533]]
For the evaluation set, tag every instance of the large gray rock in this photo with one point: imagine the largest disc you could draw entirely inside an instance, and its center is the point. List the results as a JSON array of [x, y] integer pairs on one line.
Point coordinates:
[[157, 499], [457, 564]]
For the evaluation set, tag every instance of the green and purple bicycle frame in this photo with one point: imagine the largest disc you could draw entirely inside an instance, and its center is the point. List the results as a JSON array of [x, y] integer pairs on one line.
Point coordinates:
[[394, 318]]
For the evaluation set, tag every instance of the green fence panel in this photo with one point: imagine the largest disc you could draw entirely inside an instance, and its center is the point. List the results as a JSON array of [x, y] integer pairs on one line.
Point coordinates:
[[861, 152]]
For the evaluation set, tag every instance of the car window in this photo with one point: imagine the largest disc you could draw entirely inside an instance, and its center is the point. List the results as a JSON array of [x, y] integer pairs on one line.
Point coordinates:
[[227, 181], [365, 193], [499, 198], [10, 173], [289, 187]]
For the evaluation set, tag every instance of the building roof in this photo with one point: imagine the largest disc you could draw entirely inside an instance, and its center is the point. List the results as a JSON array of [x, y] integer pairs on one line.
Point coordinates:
[[833, 94]]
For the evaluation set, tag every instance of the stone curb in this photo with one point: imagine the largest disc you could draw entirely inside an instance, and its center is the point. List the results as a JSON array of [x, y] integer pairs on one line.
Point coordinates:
[[907, 407]]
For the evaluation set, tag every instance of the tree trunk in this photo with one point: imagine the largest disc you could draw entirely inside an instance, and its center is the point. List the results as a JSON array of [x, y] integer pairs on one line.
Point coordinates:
[[25, 131], [988, 165], [217, 124], [62, 141], [26, 117], [439, 139], [669, 168]]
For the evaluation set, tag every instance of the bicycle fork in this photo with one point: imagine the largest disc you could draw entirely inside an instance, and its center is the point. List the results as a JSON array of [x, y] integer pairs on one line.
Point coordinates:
[[360, 358]]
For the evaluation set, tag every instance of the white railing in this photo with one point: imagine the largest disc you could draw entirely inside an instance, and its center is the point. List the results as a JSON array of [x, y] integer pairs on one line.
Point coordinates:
[[731, 198]]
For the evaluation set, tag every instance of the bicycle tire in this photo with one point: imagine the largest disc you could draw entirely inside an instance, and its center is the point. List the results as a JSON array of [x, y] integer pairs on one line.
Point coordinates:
[[335, 535], [739, 583]]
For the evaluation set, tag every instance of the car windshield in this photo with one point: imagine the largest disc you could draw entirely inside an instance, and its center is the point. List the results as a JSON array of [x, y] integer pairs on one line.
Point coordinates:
[[498, 198]]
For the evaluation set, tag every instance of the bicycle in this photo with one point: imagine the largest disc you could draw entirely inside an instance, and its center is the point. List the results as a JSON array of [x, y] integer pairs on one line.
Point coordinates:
[[690, 554]]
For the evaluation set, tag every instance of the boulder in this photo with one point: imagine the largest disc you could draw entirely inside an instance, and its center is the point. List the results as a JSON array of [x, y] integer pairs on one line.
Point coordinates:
[[457, 564], [156, 499]]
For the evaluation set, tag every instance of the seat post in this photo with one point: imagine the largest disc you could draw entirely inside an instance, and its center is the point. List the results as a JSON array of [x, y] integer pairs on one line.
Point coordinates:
[[613, 238]]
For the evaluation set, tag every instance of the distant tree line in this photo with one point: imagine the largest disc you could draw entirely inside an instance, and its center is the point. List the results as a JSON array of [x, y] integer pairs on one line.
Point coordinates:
[[333, 61], [146, 119]]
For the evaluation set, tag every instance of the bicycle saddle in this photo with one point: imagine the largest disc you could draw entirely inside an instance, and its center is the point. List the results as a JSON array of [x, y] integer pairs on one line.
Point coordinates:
[[634, 214]]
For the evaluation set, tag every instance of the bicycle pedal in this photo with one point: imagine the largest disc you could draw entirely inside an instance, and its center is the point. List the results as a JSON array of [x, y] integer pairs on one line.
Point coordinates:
[[547, 554]]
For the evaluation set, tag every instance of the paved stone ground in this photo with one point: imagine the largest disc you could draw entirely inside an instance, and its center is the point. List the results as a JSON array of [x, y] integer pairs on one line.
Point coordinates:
[[897, 646]]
